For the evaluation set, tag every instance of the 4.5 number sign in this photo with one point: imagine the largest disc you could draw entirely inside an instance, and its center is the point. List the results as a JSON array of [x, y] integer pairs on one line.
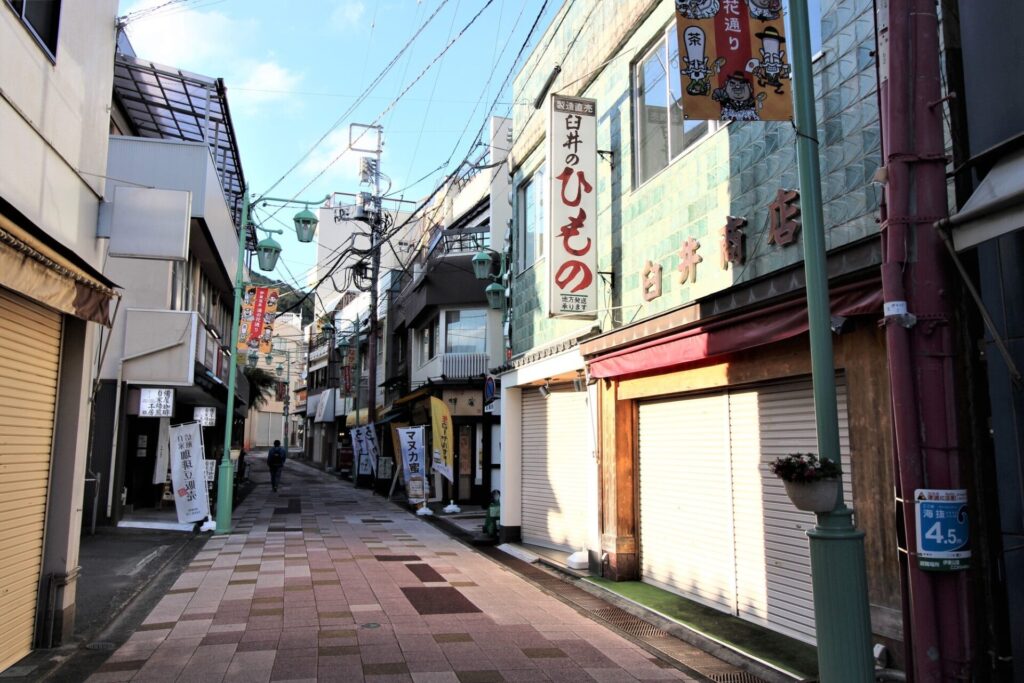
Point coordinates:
[[943, 532]]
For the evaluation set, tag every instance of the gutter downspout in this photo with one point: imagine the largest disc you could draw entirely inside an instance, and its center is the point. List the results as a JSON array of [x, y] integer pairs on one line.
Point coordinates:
[[919, 341]]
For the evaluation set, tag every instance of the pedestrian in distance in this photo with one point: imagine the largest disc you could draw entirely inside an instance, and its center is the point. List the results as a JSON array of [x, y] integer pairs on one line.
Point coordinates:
[[275, 461]]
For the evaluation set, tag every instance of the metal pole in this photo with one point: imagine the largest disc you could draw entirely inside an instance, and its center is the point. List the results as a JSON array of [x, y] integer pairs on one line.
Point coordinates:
[[226, 475], [838, 575], [287, 396]]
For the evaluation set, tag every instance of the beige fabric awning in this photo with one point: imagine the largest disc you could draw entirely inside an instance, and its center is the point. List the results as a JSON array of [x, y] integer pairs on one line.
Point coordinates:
[[36, 270]]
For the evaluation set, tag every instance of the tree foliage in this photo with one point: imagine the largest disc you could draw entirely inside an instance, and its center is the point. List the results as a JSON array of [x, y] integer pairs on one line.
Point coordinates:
[[262, 385]]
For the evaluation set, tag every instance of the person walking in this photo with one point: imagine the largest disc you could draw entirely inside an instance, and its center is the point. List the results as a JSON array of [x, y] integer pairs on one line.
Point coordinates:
[[275, 461]]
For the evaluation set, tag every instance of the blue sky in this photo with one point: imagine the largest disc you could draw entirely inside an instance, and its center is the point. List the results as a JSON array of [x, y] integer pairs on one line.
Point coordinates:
[[293, 68]]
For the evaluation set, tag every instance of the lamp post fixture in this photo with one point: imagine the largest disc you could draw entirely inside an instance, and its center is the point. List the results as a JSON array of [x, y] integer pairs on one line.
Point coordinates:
[[483, 265], [267, 252]]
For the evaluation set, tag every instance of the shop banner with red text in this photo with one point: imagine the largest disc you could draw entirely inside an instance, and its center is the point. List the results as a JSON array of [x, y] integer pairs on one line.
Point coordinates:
[[442, 432], [733, 60], [259, 309], [572, 228]]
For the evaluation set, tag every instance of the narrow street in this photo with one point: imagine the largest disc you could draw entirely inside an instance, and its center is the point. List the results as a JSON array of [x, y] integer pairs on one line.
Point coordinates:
[[324, 582]]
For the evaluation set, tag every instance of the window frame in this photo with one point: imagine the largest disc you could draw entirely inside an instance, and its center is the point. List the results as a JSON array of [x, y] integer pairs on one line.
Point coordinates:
[[540, 219], [428, 336], [482, 314], [51, 53], [661, 41]]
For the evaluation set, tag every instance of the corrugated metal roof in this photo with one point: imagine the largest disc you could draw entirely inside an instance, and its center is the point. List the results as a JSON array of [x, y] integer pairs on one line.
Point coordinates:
[[168, 103]]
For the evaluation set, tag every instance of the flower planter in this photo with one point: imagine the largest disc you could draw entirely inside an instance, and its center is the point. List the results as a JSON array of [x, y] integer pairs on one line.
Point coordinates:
[[814, 496]]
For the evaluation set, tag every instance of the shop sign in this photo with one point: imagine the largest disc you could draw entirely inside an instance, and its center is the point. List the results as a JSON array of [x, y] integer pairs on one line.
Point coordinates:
[[411, 441], [188, 472], [572, 239], [364, 445], [156, 403], [442, 434], [733, 61], [259, 308], [206, 416], [211, 473], [943, 532]]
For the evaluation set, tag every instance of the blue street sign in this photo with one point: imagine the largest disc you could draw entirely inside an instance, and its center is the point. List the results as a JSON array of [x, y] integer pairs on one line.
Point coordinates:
[[943, 532]]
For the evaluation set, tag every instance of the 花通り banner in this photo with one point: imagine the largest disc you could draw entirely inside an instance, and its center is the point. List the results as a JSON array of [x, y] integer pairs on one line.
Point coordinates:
[[733, 61], [259, 308], [441, 433], [572, 234]]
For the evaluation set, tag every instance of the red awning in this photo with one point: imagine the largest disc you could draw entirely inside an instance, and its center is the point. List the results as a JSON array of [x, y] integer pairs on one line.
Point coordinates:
[[765, 326]]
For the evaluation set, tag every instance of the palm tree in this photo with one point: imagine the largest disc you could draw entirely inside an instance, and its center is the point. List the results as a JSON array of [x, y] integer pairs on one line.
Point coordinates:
[[262, 385]]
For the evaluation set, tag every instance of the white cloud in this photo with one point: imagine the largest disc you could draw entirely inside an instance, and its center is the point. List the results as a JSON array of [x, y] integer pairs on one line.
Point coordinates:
[[345, 166], [186, 38], [347, 14], [260, 83]]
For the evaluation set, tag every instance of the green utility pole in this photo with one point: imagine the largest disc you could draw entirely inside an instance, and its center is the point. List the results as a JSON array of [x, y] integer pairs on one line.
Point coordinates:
[[227, 469], [839, 579]]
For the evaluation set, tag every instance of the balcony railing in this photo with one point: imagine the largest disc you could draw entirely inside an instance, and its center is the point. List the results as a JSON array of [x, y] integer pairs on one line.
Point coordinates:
[[463, 365], [461, 241]]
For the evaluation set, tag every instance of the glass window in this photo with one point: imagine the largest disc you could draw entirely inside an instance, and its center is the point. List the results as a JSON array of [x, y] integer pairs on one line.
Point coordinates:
[[465, 331], [532, 219], [661, 131], [428, 340], [42, 17]]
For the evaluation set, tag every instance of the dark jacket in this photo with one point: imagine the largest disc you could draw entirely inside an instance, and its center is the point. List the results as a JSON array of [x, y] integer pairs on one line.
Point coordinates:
[[277, 456]]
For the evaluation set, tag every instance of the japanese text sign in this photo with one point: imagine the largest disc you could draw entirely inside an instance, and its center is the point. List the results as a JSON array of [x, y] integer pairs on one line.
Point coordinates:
[[441, 433], [943, 531], [156, 403], [188, 472], [206, 416], [572, 237], [733, 61], [259, 308], [411, 441], [364, 446]]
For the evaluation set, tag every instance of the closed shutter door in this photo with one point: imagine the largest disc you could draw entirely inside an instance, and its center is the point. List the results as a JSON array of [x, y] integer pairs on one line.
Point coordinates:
[[773, 566], [554, 443], [30, 344], [686, 541]]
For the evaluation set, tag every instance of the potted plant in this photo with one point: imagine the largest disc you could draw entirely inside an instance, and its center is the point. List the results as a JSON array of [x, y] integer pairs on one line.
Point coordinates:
[[812, 483]]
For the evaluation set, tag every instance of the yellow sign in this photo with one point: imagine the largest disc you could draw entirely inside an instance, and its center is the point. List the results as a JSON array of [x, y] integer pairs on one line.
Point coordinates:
[[443, 433], [733, 61]]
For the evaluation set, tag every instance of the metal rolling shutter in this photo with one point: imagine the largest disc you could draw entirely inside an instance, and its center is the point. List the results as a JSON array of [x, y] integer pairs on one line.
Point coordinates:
[[554, 451], [773, 569], [686, 535], [30, 341]]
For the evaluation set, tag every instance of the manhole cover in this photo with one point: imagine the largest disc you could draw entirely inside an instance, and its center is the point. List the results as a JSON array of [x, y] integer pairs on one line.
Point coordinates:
[[102, 645], [370, 625]]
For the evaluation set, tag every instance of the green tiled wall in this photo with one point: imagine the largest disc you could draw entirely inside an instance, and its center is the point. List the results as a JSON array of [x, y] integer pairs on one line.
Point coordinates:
[[736, 171]]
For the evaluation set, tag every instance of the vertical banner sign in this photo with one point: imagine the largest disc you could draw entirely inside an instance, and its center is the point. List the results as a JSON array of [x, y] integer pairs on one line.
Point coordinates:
[[441, 431], [943, 531], [188, 472], [364, 445], [163, 451], [259, 308], [411, 440], [372, 449], [733, 61], [572, 233]]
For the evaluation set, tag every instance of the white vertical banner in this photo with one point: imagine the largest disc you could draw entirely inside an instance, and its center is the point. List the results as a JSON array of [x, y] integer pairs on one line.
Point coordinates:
[[188, 472], [572, 209], [372, 448], [163, 451], [411, 442], [364, 447]]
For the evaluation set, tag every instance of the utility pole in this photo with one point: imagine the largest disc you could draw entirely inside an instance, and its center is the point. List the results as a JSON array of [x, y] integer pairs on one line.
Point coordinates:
[[370, 171], [919, 341]]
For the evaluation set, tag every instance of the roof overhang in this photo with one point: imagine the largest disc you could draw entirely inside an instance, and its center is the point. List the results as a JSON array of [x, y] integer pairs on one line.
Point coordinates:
[[995, 208]]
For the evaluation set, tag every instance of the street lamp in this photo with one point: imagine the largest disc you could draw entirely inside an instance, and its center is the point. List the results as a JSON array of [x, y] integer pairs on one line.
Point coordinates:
[[279, 370], [267, 251], [305, 225], [253, 359], [483, 263]]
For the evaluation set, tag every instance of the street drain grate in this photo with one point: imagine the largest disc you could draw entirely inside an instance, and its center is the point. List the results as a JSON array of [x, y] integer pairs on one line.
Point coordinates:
[[627, 623], [735, 677], [102, 646]]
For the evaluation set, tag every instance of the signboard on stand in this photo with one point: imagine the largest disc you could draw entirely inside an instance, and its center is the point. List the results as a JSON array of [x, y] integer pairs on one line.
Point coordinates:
[[411, 442], [188, 472], [943, 530]]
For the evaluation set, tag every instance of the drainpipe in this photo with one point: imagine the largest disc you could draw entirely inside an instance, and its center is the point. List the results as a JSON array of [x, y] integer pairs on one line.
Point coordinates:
[[919, 341]]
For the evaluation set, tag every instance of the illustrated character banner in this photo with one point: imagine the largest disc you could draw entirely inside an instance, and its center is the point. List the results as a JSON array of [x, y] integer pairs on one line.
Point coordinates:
[[733, 60], [256, 329]]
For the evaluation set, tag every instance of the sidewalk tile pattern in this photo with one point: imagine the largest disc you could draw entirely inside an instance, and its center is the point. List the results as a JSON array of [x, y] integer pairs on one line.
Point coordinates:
[[323, 582]]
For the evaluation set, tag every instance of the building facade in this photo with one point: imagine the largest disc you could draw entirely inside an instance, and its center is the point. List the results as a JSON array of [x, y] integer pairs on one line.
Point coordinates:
[[641, 435], [54, 301]]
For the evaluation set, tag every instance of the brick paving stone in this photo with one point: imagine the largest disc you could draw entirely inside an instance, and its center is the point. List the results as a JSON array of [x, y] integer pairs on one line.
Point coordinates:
[[329, 583]]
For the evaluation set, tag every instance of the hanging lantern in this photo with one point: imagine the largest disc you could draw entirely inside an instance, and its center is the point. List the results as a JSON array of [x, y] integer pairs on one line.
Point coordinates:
[[279, 369], [254, 359], [267, 252], [270, 358], [305, 225], [495, 296], [482, 265]]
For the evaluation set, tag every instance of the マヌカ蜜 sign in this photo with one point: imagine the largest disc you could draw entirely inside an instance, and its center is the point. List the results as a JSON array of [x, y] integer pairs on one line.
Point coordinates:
[[411, 442], [572, 237]]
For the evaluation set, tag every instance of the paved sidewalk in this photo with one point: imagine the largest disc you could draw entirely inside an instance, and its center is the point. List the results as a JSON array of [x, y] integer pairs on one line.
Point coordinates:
[[323, 582]]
